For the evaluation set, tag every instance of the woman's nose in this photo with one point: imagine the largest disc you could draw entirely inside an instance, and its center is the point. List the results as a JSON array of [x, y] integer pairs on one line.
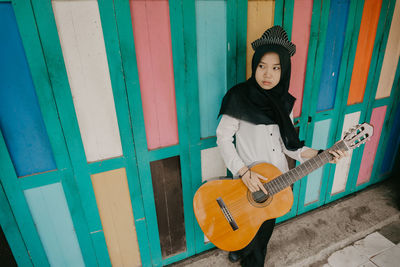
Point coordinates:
[[267, 73]]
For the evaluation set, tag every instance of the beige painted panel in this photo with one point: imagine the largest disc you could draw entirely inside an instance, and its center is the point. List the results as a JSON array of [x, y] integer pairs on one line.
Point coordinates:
[[260, 16], [212, 164], [82, 43], [391, 57], [115, 209], [343, 167]]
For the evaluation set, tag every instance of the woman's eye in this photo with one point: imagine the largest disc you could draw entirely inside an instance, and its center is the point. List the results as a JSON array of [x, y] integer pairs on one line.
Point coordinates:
[[261, 66], [277, 68]]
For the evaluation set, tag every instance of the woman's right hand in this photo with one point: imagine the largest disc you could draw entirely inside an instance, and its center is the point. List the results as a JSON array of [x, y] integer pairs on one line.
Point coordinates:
[[253, 180]]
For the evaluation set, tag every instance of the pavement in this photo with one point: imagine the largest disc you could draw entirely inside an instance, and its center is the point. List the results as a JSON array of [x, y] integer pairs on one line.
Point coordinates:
[[362, 229]]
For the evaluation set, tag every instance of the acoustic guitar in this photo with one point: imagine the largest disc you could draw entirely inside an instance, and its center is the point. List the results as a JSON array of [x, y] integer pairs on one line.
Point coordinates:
[[230, 215]]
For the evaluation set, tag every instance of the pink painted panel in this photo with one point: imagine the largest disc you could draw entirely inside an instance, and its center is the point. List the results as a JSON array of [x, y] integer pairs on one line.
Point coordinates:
[[302, 13], [152, 34], [367, 161]]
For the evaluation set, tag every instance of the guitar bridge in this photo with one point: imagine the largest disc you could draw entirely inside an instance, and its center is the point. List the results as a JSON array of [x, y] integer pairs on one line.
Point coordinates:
[[227, 214]]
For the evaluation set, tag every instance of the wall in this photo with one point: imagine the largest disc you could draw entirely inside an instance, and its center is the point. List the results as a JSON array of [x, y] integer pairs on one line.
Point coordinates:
[[108, 111]]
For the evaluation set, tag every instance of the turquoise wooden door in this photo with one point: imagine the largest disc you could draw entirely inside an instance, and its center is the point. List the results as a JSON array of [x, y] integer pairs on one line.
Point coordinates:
[[343, 93], [36, 174]]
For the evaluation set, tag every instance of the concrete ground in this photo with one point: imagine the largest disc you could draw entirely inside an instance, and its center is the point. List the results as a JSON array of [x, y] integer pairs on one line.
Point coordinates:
[[359, 230]]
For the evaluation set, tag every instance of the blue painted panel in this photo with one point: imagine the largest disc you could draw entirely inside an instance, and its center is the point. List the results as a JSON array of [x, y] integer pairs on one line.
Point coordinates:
[[333, 53], [20, 118], [211, 61], [392, 144], [53, 221], [314, 179]]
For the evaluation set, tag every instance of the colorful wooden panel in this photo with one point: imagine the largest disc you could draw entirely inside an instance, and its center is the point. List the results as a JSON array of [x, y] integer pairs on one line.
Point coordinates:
[[53, 221], [337, 22], [82, 43], [365, 46], [368, 159], [343, 167], [21, 120], [260, 16], [392, 144], [302, 13], [167, 186], [115, 209], [314, 180], [152, 35], [391, 57], [212, 164], [211, 61]]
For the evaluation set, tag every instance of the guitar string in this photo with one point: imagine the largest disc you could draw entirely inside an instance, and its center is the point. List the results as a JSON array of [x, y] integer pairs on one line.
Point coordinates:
[[278, 184]]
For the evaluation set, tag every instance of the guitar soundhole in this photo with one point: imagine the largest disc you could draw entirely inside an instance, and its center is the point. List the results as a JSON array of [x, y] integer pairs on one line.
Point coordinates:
[[259, 199]]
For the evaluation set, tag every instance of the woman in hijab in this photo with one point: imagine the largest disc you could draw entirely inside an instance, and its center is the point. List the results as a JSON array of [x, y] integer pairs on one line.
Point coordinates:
[[258, 114]]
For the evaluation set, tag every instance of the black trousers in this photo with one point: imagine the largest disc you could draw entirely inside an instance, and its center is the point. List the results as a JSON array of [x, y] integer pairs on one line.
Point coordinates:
[[253, 255]]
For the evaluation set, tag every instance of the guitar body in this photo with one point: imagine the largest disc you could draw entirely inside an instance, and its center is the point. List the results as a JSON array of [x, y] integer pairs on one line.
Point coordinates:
[[238, 204], [227, 211]]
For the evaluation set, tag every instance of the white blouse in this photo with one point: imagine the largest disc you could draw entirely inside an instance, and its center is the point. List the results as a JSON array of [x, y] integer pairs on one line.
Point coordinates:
[[254, 143]]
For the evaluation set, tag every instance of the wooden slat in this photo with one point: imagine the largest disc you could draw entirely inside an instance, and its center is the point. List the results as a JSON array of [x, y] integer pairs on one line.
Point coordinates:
[[314, 180], [365, 45], [82, 43], [260, 16], [211, 33], [391, 57], [167, 187], [152, 35], [338, 14], [343, 167], [53, 221], [114, 204], [300, 36], [212, 164], [13, 248], [20, 117], [367, 162]]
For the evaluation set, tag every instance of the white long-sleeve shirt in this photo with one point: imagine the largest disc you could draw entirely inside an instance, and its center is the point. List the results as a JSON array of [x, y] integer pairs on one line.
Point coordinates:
[[254, 143]]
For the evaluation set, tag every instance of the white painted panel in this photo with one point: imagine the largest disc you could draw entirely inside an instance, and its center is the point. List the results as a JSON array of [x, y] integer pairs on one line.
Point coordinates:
[[212, 164], [82, 43], [343, 167]]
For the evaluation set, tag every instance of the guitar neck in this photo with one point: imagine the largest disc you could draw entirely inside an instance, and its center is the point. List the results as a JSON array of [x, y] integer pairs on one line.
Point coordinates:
[[295, 174]]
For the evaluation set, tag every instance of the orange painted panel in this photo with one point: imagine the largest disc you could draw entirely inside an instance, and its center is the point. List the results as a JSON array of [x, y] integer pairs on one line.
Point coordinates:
[[260, 16], [152, 34], [365, 46], [302, 13]]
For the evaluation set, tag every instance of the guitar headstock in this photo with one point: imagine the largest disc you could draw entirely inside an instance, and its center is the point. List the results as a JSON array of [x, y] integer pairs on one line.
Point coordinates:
[[358, 135]]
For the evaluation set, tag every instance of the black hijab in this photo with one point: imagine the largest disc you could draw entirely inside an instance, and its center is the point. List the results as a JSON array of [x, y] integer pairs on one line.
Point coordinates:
[[249, 102]]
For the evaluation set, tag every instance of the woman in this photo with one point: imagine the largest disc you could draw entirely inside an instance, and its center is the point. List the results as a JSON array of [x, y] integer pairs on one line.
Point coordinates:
[[258, 114]]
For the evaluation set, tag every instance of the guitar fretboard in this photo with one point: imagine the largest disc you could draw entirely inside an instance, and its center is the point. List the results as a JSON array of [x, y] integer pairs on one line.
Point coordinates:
[[285, 180]]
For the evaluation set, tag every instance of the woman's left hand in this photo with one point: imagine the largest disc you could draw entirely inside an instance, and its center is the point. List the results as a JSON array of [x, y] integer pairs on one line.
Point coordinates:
[[337, 155]]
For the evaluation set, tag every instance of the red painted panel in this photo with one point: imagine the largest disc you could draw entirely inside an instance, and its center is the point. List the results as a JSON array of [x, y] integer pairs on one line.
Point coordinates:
[[367, 162], [365, 46], [152, 34], [300, 36]]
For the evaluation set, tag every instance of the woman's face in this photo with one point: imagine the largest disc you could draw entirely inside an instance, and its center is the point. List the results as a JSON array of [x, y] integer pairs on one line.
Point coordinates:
[[268, 72]]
